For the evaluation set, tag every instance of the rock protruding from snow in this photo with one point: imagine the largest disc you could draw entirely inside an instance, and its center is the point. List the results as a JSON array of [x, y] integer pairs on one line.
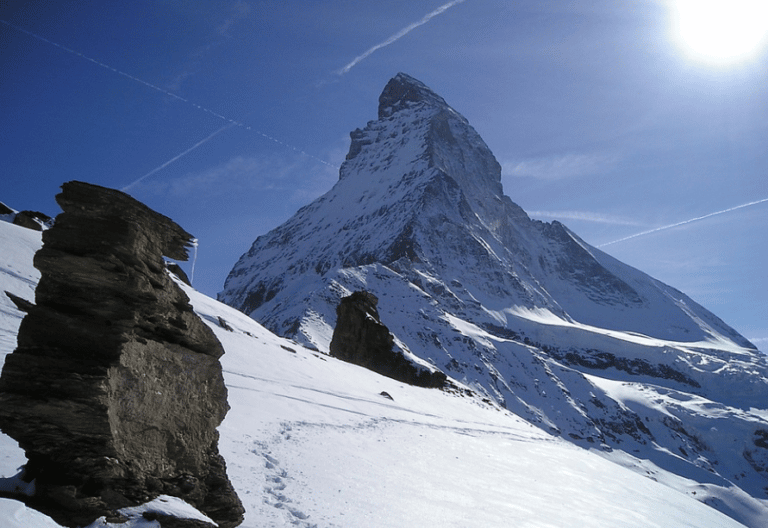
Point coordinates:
[[115, 389], [29, 219], [32, 220], [361, 338]]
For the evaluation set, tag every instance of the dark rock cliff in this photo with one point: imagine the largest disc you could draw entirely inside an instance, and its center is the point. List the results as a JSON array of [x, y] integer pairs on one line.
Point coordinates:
[[115, 389], [362, 339]]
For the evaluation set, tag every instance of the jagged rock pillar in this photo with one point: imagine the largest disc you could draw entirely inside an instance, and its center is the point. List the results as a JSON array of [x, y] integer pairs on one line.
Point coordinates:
[[115, 389], [361, 338]]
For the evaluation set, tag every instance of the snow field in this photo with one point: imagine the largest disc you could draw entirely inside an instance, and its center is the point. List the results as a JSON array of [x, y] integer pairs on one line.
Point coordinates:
[[311, 441]]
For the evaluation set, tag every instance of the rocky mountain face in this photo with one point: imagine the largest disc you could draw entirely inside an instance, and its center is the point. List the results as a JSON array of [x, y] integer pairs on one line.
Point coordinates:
[[115, 389], [361, 338], [522, 311]]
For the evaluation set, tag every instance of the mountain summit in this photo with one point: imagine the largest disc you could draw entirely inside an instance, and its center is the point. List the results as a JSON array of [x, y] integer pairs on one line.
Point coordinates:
[[522, 311], [420, 194], [403, 90]]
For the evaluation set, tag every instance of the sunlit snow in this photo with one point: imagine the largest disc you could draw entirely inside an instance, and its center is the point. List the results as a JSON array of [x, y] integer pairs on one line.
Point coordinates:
[[312, 441]]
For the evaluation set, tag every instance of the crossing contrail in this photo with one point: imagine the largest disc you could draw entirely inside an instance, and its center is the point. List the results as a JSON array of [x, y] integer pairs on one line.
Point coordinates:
[[231, 122], [662, 228], [164, 165], [400, 34], [94, 61]]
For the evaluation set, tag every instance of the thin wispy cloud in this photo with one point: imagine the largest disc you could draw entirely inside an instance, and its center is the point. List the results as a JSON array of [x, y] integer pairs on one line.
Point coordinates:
[[586, 216], [245, 173], [684, 222], [177, 157], [292, 178], [559, 167], [760, 342], [236, 12], [400, 34]]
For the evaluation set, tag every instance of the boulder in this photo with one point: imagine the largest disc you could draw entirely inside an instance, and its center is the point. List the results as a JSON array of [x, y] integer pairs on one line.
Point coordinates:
[[176, 270], [361, 338], [115, 389], [32, 220]]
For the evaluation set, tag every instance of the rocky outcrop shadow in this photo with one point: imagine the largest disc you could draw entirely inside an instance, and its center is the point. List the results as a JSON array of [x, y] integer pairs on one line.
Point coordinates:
[[361, 338], [115, 389]]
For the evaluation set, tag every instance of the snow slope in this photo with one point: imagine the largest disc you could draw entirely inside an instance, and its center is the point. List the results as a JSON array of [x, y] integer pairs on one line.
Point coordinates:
[[17, 275], [326, 448], [311, 441]]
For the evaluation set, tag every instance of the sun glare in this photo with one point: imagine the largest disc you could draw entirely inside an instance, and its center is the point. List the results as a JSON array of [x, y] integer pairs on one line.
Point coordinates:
[[722, 31]]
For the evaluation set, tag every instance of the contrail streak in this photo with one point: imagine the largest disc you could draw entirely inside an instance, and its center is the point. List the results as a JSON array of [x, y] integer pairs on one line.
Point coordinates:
[[742, 206], [170, 94], [86, 57], [400, 34], [164, 165]]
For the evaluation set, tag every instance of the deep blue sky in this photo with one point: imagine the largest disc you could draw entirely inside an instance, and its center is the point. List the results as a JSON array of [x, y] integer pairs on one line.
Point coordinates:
[[599, 116]]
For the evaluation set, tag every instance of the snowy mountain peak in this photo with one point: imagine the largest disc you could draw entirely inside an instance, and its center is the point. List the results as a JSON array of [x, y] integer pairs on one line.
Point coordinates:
[[524, 312], [403, 91], [425, 144], [420, 195]]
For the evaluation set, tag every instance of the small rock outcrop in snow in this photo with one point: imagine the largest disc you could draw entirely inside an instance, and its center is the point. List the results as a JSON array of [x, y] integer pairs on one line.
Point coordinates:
[[361, 338], [32, 220], [29, 219], [115, 389]]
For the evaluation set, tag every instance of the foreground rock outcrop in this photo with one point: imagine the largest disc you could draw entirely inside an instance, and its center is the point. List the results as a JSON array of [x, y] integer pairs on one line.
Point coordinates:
[[115, 389], [361, 338]]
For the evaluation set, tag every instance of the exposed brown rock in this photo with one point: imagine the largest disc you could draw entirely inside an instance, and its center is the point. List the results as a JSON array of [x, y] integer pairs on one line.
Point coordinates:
[[362, 339], [115, 390]]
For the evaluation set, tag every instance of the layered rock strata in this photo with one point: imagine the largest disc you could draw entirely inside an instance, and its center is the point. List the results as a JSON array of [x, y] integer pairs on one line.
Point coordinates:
[[115, 389]]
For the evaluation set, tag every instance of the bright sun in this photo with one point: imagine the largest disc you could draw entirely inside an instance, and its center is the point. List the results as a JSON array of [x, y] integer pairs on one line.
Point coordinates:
[[722, 31]]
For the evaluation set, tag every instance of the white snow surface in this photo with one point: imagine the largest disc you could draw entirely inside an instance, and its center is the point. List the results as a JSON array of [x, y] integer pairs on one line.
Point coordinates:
[[325, 448], [18, 276], [14, 514], [164, 504], [311, 441]]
